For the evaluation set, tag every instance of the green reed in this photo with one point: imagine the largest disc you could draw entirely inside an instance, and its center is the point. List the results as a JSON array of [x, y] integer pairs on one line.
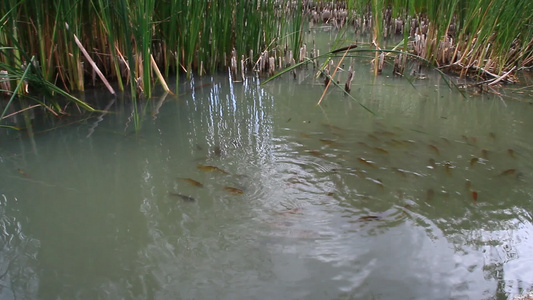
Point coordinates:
[[123, 36]]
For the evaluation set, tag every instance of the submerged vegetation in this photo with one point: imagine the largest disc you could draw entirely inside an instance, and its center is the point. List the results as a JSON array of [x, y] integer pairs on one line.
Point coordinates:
[[62, 46]]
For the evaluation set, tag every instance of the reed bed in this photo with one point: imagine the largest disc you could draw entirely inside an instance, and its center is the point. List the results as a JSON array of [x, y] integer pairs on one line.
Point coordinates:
[[484, 39], [141, 43], [137, 44]]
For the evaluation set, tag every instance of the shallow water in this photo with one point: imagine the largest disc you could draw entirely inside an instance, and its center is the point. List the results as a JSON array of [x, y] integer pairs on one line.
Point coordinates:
[[429, 199]]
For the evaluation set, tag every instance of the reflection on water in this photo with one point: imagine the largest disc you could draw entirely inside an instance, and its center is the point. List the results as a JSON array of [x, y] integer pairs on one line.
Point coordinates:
[[240, 191]]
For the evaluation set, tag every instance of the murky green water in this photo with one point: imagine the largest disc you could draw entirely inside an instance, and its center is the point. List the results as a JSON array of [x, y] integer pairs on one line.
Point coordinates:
[[431, 199]]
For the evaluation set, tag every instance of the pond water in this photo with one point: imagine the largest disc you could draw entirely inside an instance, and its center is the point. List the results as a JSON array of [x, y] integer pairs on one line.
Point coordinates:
[[234, 190]]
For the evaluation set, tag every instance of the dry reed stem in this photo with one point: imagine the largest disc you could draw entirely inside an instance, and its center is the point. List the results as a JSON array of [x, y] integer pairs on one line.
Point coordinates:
[[93, 64], [332, 76], [19, 111], [159, 75]]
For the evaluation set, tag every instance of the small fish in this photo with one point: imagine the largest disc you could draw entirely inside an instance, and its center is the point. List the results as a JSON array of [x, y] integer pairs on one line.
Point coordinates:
[[191, 182], [289, 119], [197, 88], [468, 184], [233, 190], [399, 143], [403, 173], [369, 218], [431, 147], [447, 141], [291, 211], [315, 153], [492, 135], [378, 181], [373, 137], [448, 167], [23, 173], [211, 169], [484, 153], [509, 172], [430, 193], [360, 173], [218, 151], [332, 127], [183, 197], [385, 133], [381, 150], [432, 163], [363, 144], [511, 153], [367, 162], [474, 197], [473, 161], [329, 142]]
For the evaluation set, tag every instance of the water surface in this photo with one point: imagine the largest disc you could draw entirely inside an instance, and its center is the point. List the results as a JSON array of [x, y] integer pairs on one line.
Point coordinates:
[[428, 199]]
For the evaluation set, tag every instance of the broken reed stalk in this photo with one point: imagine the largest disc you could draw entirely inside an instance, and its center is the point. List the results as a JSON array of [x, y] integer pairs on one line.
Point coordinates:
[[19, 111], [93, 64], [159, 75], [333, 76]]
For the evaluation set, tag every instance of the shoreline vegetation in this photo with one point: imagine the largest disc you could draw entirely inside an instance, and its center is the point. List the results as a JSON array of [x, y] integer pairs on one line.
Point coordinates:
[[59, 47]]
